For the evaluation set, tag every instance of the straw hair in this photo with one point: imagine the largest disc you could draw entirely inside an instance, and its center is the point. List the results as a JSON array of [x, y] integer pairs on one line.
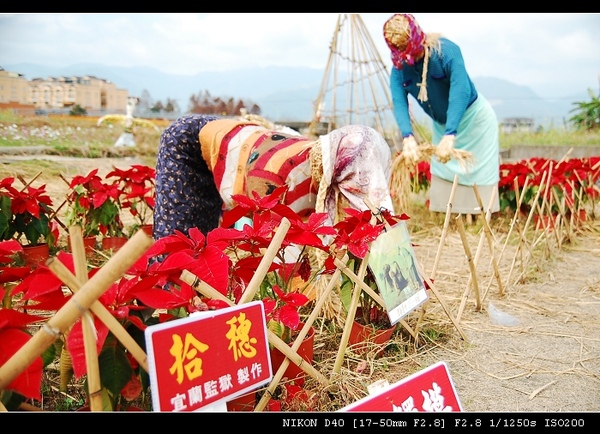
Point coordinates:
[[398, 32], [332, 308], [404, 172]]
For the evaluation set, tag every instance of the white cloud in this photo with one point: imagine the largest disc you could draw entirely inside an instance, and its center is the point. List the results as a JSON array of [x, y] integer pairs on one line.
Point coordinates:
[[537, 50]]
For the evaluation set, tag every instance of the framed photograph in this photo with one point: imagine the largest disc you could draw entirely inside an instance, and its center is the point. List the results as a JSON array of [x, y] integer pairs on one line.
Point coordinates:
[[393, 264]]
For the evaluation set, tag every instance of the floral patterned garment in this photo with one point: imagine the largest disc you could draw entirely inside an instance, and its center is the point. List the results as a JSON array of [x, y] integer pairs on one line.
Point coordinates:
[[203, 160]]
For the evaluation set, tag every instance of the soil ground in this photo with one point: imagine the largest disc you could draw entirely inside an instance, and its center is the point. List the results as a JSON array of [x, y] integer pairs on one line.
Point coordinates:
[[547, 360]]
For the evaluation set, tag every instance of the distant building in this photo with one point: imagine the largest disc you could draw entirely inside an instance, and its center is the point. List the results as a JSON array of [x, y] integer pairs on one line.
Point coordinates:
[[512, 125], [95, 95], [14, 92]]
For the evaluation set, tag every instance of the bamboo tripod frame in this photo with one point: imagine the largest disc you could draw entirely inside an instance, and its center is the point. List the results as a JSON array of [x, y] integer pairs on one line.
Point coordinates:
[[85, 298], [355, 85]]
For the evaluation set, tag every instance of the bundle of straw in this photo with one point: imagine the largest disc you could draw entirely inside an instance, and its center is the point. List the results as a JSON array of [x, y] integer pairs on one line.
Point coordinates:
[[332, 308], [404, 171]]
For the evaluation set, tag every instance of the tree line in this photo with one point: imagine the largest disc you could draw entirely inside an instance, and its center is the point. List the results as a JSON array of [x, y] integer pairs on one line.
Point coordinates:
[[201, 103]]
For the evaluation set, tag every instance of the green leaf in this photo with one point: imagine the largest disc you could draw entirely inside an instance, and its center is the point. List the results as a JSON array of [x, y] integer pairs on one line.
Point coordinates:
[[49, 355], [115, 369]]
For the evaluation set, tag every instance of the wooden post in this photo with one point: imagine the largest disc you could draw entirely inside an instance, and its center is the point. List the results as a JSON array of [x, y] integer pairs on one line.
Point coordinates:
[[87, 323], [438, 254], [473, 277]]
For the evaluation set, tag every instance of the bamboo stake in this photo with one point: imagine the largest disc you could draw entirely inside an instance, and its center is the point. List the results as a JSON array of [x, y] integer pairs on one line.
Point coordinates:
[[562, 208], [123, 259], [490, 236], [546, 206], [465, 242], [514, 220], [358, 288], [522, 232], [87, 323], [265, 262], [299, 338], [115, 327], [438, 254], [27, 184]]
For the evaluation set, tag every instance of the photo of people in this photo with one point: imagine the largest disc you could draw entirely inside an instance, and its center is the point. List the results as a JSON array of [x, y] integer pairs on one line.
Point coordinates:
[[392, 262]]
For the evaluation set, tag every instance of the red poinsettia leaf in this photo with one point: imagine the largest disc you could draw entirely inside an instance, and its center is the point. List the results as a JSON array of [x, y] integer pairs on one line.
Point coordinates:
[[10, 318], [160, 299], [40, 282], [176, 262], [285, 211], [232, 216], [53, 301], [216, 304], [304, 237], [286, 269], [358, 250], [133, 389], [295, 393], [212, 267], [13, 274], [295, 299], [270, 200], [305, 269], [289, 317], [246, 267], [269, 305], [164, 317], [76, 347], [29, 382], [8, 249], [274, 405], [136, 321], [329, 265], [222, 237], [98, 198]]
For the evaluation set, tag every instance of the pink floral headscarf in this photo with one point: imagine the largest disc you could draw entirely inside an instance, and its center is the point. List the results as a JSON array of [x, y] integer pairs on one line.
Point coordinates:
[[414, 47]]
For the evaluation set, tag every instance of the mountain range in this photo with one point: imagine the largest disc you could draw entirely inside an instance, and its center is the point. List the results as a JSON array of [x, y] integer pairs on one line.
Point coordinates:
[[287, 94]]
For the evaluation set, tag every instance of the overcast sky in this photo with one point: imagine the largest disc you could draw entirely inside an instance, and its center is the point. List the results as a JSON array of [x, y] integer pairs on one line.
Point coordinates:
[[554, 54]]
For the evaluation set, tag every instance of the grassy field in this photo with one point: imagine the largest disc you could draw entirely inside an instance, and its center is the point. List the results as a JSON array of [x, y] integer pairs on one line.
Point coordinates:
[[78, 136]]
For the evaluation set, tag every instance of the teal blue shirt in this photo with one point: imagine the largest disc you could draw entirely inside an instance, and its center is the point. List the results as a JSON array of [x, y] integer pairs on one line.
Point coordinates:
[[450, 91]]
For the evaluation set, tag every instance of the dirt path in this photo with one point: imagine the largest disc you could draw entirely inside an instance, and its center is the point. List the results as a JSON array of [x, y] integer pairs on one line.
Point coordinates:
[[549, 360]]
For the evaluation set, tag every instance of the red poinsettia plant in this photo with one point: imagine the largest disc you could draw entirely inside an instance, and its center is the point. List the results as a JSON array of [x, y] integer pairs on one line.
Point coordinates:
[[95, 205], [26, 214], [15, 323], [137, 184], [573, 180], [290, 273], [420, 176], [354, 235]]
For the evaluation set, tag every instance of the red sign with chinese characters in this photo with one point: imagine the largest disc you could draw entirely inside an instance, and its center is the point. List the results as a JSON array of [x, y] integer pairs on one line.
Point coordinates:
[[208, 357], [429, 390]]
